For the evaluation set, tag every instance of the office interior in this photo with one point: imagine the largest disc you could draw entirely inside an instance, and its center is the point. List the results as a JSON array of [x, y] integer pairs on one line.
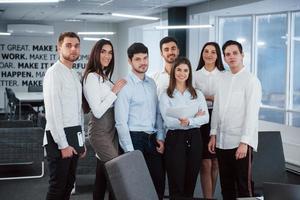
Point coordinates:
[[269, 31]]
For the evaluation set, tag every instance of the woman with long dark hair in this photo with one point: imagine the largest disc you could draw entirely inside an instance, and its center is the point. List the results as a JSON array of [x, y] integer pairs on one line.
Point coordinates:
[[205, 78], [100, 94], [183, 140]]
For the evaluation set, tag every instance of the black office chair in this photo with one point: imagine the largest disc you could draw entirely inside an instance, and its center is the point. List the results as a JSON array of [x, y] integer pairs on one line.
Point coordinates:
[[268, 161], [27, 110], [280, 191], [37, 105]]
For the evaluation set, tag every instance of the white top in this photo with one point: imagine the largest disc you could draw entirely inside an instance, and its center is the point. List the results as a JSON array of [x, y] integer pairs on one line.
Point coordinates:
[[206, 82], [162, 81], [235, 113], [62, 96], [98, 94]]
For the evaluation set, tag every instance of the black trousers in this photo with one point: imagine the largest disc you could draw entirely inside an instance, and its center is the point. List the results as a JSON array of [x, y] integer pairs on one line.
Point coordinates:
[[235, 175], [146, 143], [101, 183], [182, 161], [62, 177]]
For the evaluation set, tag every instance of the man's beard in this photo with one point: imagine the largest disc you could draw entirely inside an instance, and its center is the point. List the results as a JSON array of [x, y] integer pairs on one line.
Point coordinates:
[[171, 59], [140, 71], [70, 58]]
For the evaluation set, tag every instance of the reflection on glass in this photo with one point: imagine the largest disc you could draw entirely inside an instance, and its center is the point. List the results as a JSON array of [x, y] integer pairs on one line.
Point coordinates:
[[239, 29], [272, 115], [296, 64], [271, 58], [296, 119]]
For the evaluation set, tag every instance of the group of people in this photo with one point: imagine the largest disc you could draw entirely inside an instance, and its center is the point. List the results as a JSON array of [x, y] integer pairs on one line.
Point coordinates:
[[138, 112]]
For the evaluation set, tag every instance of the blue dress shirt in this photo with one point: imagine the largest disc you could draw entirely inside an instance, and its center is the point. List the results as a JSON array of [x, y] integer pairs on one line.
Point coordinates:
[[136, 109], [183, 100]]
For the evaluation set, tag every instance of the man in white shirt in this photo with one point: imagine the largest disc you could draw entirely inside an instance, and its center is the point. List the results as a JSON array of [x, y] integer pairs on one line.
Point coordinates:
[[62, 96], [234, 125], [169, 51]]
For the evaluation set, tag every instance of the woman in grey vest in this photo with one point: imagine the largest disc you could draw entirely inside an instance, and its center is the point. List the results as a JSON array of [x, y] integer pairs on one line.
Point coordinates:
[[100, 93]]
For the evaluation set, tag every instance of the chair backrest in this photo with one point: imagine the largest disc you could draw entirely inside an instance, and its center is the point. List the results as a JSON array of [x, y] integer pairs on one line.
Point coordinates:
[[32, 88], [129, 177], [21, 145], [280, 191], [12, 100], [268, 161]]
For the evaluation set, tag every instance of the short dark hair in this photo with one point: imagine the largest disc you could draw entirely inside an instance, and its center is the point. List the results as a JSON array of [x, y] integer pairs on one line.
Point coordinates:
[[232, 42], [67, 34], [167, 39], [135, 48]]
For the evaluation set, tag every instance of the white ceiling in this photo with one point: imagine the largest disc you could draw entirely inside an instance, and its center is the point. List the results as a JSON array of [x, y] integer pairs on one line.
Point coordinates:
[[98, 9]]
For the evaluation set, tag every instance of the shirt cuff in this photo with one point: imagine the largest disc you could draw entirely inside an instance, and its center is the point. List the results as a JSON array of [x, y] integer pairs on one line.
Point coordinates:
[[160, 136], [63, 145], [129, 148], [213, 132], [245, 139]]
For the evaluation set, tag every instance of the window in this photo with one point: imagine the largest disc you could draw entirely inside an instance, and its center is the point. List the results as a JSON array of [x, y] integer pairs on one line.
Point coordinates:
[[295, 70], [271, 53], [275, 56], [150, 37], [239, 29]]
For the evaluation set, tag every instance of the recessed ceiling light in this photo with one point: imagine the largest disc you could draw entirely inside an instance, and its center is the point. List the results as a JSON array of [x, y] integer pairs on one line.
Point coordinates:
[[185, 26], [96, 33], [134, 16]]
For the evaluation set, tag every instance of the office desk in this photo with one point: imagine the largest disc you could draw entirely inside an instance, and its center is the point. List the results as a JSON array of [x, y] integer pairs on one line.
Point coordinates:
[[28, 97]]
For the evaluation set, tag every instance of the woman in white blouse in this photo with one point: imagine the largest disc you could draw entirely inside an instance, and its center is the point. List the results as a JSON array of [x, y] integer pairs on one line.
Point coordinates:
[[183, 142], [205, 78], [100, 93]]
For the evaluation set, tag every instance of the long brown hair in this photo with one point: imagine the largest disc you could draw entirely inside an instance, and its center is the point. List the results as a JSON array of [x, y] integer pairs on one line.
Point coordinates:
[[188, 82], [219, 62], [94, 64]]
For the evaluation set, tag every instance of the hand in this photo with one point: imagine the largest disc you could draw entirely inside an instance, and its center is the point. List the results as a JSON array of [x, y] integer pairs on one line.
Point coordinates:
[[199, 113], [68, 152], [161, 146], [241, 151], [184, 121], [82, 155], [118, 86], [212, 144], [209, 98]]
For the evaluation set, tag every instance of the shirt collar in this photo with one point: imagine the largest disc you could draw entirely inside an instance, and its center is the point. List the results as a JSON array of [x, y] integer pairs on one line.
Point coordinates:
[[237, 74], [136, 79], [64, 67], [204, 71]]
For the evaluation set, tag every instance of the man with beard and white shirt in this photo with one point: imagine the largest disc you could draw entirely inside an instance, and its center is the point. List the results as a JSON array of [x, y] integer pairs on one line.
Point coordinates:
[[137, 116], [62, 96], [169, 51]]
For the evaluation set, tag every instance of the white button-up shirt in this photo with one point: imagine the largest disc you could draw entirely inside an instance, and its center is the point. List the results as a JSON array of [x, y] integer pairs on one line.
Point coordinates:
[[235, 111], [206, 82], [62, 97], [162, 81], [98, 94]]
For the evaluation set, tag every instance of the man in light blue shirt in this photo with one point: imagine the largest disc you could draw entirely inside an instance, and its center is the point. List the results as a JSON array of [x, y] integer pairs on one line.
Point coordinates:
[[138, 120]]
